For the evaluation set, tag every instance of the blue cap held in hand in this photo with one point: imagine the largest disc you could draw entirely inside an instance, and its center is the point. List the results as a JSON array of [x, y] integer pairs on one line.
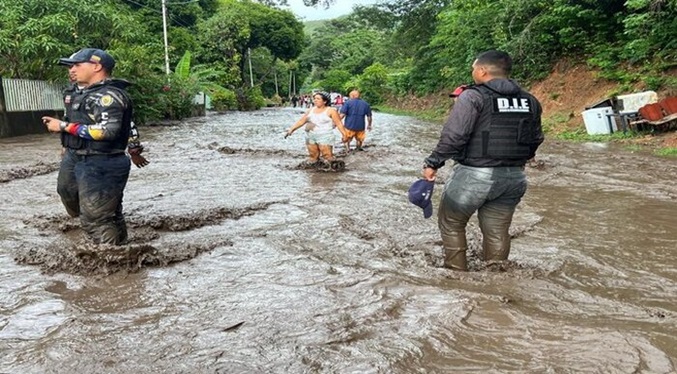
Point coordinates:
[[421, 194]]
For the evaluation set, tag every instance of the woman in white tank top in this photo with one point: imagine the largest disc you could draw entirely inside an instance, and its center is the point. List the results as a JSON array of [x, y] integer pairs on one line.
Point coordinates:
[[320, 122]]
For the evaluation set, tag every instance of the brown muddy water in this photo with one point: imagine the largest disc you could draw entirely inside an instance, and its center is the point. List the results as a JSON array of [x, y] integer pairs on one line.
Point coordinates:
[[239, 262]]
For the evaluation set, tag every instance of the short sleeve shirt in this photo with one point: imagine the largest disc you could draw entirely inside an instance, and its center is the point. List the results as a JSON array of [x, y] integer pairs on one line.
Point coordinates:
[[355, 111]]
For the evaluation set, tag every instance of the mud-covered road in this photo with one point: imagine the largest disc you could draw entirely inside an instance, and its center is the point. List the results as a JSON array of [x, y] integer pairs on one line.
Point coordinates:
[[239, 262]]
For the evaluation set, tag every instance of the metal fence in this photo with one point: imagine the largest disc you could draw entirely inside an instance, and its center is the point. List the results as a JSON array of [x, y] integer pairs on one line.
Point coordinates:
[[23, 95]]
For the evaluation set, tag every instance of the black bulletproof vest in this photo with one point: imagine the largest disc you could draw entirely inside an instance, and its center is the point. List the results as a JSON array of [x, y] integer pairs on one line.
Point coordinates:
[[82, 102], [507, 128], [71, 95]]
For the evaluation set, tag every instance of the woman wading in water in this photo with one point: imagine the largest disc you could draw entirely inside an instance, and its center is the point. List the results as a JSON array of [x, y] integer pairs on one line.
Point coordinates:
[[320, 122]]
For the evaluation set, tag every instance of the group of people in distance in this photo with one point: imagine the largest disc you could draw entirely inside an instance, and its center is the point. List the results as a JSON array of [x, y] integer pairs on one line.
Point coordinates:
[[494, 129], [306, 101]]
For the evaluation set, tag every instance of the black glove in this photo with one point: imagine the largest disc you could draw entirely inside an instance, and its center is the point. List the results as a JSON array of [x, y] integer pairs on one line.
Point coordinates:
[[137, 159]]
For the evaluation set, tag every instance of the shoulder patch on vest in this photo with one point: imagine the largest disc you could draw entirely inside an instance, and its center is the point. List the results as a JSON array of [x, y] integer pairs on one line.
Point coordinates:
[[106, 100]]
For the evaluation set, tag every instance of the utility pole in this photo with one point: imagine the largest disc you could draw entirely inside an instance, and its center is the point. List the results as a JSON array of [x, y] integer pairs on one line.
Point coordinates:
[[293, 74], [251, 75], [164, 27], [276, 89]]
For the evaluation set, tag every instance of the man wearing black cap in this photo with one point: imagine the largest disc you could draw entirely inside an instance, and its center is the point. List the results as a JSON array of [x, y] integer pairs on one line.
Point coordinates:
[[94, 169], [494, 128]]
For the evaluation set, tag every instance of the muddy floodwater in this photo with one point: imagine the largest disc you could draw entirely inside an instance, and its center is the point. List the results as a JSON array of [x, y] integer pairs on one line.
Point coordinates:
[[241, 262]]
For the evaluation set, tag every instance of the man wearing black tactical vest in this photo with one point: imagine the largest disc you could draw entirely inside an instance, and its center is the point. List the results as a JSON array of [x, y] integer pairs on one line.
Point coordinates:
[[134, 147], [493, 130], [94, 166]]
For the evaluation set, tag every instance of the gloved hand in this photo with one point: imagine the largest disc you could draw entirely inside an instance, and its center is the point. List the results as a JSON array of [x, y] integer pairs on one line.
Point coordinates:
[[137, 159]]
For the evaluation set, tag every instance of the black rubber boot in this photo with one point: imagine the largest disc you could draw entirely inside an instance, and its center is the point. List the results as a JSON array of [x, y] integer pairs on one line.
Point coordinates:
[[455, 259]]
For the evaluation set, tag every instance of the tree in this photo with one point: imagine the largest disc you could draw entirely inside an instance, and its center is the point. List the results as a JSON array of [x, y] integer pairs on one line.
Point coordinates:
[[335, 80], [372, 83], [344, 44], [182, 19], [35, 33], [649, 29], [415, 22], [241, 26]]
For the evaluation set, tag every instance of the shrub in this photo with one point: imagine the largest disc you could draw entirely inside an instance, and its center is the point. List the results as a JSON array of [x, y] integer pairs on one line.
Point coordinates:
[[223, 100], [250, 99]]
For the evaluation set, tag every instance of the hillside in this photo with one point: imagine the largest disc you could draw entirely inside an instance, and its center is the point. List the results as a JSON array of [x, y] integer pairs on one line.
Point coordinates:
[[570, 88], [564, 94]]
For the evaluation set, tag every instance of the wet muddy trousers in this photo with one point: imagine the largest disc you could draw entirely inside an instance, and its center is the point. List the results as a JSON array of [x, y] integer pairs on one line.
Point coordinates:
[[491, 192], [494, 223], [67, 186], [91, 187]]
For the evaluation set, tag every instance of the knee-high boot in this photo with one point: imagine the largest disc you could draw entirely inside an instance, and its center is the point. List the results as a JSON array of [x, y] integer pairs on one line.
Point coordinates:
[[495, 225], [455, 247]]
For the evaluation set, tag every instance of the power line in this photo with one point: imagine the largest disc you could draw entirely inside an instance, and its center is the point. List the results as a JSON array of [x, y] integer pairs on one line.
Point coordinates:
[[183, 3], [143, 5], [174, 18], [176, 3]]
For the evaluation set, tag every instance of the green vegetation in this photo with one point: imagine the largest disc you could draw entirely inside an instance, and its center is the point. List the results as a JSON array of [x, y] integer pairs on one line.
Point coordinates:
[[394, 48], [432, 115], [218, 35], [667, 152], [309, 27], [422, 47], [580, 135]]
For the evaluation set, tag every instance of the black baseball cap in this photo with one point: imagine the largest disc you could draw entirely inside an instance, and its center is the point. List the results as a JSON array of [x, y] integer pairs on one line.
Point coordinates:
[[93, 55]]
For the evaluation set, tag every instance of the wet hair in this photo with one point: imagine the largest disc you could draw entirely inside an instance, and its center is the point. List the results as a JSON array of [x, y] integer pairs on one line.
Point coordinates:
[[325, 97], [498, 62]]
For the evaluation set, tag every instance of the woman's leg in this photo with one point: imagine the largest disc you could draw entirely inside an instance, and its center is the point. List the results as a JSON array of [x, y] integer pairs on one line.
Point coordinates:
[[327, 152], [313, 152]]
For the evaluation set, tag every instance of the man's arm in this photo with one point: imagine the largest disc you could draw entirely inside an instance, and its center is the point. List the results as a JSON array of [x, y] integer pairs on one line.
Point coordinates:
[[134, 141], [345, 108], [457, 130], [134, 147], [538, 131]]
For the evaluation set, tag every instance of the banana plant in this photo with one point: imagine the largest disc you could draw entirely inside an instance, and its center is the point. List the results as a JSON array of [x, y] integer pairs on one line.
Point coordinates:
[[202, 76]]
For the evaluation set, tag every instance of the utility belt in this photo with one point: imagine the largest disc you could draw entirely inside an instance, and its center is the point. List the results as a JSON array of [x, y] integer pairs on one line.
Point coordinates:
[[85, 147], [496, 172], [90, 152]]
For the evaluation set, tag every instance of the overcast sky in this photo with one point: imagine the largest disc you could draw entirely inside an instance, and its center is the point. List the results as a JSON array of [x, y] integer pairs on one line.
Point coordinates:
[[339, 8]]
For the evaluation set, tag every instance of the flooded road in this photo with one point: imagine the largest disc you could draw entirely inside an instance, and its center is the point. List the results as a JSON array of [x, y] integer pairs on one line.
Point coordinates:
[[239, 262]]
